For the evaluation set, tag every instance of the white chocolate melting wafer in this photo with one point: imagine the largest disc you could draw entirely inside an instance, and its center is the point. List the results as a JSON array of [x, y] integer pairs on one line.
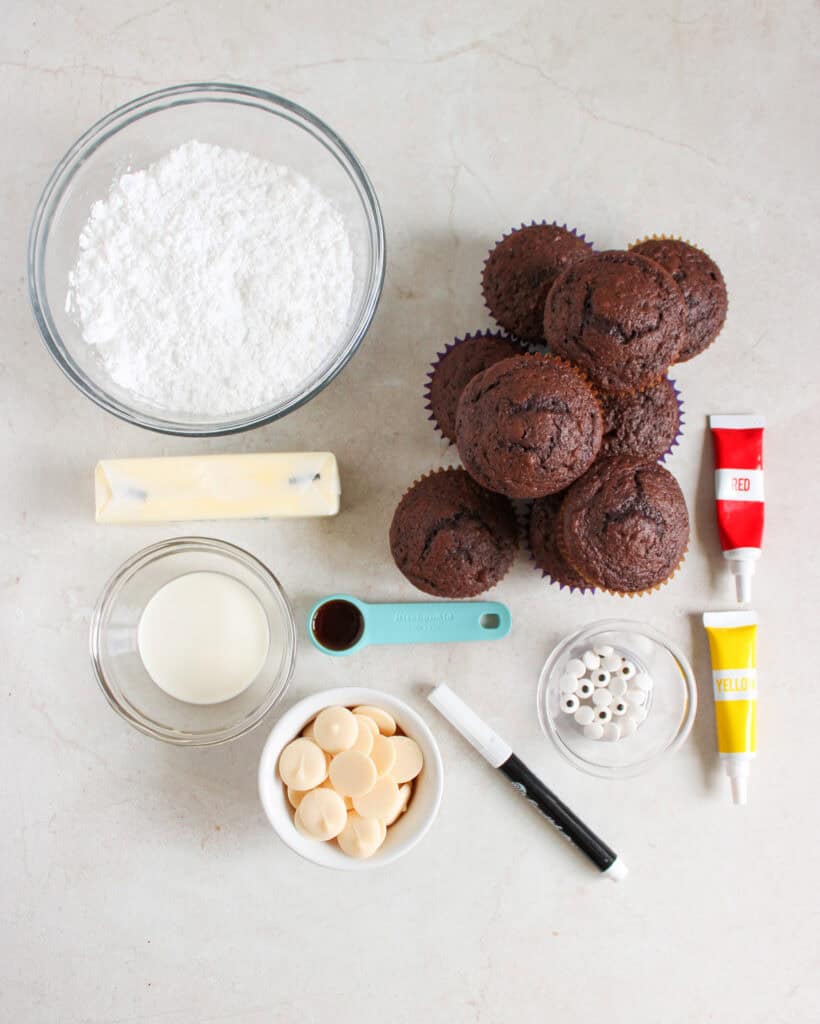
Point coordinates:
[[368, 722], [327, 784], [365, 734], [381, 801], [404, 799], [383, 754], [296, 796], [335, 729], [302, 764], [409, 760], [322, 814], [361, 837], [352, 773], [385, 721]]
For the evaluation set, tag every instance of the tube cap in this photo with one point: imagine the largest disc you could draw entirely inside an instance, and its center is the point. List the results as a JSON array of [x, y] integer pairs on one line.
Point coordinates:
[[740, 790], [743, 572], [742, 562], [738, 771]]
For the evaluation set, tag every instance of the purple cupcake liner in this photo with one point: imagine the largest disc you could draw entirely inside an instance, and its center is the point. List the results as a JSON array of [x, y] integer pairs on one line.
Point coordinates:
[[525, 512], [522, 507], [681, 422], [532, 346], [515, 343]]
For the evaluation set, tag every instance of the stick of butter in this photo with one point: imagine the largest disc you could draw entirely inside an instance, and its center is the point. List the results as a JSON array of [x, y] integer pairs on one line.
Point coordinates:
[[270, 486]]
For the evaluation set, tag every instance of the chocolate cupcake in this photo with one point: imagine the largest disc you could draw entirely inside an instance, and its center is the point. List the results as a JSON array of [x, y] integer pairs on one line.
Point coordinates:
[[528, 426], [521, 269], [624, 525], [543, 541], [702, 284], [646, 423], [620, 317], [451, 538], [454, 369]]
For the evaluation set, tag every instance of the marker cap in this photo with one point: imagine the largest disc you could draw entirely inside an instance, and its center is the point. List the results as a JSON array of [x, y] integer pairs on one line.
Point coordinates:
[[488, 743]]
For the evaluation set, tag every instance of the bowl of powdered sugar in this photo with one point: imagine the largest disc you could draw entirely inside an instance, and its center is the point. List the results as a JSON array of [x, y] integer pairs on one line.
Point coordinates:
[[205, 259]]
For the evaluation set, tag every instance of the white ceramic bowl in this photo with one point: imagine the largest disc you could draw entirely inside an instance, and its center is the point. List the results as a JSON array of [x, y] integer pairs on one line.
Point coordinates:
[[411, 826]]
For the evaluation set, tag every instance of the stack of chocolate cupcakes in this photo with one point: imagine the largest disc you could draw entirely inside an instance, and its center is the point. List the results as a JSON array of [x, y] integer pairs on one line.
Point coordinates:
[[568, 408]]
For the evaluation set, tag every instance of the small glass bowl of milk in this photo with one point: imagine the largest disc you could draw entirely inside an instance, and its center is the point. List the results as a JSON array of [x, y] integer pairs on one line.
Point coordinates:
[[193, 641]]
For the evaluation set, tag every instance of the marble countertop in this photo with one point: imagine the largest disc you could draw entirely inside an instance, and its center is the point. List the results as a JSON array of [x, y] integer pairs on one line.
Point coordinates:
[[141, 883]]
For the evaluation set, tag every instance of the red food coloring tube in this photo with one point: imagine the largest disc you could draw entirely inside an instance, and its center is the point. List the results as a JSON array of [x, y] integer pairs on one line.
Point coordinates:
[[738, 442]]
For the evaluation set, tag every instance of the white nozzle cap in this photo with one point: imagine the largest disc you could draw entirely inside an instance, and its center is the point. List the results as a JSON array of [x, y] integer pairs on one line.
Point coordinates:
[[738, 771], [740, 790], [743, 581], [742, 562]]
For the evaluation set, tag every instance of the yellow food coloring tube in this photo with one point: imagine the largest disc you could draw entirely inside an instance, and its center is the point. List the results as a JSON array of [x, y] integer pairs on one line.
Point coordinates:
[[733, 646]]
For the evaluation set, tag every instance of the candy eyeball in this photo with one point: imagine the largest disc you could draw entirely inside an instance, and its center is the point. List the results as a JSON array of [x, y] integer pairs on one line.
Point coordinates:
[[605, 692], [611, 662], [617, 686], [584, 715], [591, 660], [594, 731]]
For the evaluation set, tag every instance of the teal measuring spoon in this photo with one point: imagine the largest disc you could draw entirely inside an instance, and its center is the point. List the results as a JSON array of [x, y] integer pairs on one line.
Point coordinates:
[[341, 624]]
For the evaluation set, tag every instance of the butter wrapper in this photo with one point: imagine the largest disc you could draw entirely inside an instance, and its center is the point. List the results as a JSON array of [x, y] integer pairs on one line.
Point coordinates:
[[280, 485]]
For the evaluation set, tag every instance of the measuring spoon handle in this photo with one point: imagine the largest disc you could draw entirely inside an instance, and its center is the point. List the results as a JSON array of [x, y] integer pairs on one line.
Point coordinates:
[[429, 622]]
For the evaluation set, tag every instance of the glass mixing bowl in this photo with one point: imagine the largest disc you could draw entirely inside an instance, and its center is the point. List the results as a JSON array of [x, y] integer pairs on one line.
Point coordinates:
[[140, 132], [670, 706], [119, 668]]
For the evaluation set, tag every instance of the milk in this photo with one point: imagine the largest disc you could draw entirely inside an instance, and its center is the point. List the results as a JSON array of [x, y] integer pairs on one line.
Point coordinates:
[[203, 637]]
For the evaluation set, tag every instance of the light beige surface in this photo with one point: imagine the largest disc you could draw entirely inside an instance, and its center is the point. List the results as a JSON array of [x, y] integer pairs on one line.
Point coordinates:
[[141, 883]]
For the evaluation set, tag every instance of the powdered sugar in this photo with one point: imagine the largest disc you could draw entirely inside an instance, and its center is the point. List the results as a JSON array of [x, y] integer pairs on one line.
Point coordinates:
[[212, 282]]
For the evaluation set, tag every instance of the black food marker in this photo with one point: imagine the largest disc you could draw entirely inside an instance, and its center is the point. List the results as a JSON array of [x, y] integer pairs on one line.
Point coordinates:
[[499, 754]]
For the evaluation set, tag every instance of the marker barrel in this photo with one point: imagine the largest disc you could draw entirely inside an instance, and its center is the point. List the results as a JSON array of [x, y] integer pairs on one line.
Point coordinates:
[[557, 812]]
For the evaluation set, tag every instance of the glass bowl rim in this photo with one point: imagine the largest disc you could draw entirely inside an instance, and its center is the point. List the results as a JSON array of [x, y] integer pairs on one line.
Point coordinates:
[[687, 680], [121, 117], [133, 565]]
